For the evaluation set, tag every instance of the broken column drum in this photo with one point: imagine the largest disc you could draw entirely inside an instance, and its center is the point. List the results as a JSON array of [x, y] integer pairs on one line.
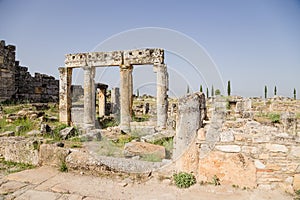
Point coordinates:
[[125, 60]]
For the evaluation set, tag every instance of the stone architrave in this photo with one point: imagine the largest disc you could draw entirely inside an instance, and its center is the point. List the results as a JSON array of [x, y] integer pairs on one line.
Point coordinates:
[[161, 95], [125, 118], [89, 97], [65, 102]]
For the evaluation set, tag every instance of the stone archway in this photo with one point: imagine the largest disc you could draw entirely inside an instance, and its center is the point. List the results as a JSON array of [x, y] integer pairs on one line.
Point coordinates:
[[125, 60]]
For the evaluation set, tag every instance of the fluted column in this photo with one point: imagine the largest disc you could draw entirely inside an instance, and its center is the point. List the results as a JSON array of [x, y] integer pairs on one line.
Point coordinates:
[[161, 95], [89, 97], [65, 101], [126, 95]]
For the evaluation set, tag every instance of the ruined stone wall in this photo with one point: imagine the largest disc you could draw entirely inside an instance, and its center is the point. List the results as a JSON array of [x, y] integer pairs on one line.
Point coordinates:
[[17, 84], [242, 152], [7, 69]]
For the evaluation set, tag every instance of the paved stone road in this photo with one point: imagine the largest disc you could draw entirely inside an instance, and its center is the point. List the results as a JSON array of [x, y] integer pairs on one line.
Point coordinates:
[[46, 183]]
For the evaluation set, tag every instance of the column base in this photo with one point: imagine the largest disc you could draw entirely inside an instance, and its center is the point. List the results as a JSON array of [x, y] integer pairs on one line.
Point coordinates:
[[125, 128]]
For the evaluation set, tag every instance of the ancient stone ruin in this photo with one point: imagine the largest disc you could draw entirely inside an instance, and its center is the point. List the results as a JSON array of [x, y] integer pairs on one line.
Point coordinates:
[[18, 85], [125, 61]]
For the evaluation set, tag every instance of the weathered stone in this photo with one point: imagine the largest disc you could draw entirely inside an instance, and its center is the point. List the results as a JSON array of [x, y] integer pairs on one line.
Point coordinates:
[[89, 97], [45, 128], [144, 149], [227, 136], [276, 148], [33, 133], [191, 112], [67, 133], [259, 165], [7, 134], [93, 135], [34, 194], [115, 103], [10, 187], [161, 95], [19, 149], [233, 168], [52, 155], [126, 95], [295, 151], [296, 182], [229, 148]]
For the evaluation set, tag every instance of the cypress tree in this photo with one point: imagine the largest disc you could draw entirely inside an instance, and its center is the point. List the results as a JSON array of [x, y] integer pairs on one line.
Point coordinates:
[[207, 93], [228, 88], [187, 89], [275, 91], [212, 91], [201, 90], [266, 92], [295, 95]]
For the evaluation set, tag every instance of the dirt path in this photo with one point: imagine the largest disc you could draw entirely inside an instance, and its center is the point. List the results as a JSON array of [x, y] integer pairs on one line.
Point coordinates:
[[48, 183]]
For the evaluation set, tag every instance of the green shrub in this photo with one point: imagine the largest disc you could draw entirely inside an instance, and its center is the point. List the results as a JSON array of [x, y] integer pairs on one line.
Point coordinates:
[[216, 180], [297, 192], [63, 167], [274, 117], [184, 180]]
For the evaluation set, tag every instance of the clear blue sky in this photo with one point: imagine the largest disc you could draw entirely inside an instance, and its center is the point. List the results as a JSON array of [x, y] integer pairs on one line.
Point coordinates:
[[253, 43]]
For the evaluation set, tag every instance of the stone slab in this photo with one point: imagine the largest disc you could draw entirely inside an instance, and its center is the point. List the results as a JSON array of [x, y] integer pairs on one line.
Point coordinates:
[[11, 187], [38, 195], [34, 176], [229, 148]]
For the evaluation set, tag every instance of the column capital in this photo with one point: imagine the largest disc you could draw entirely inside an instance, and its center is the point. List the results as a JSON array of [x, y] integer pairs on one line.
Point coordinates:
[[126, 67], [160, 68], [87, 67]]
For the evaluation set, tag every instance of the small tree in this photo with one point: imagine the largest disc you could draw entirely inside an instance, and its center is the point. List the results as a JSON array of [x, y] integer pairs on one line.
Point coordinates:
[[137, 93], [295, 95], [207, 93], [212, 91], [187, 89], [228, 88], [275, 91], [201, 90], [217, 92], [266, 92]]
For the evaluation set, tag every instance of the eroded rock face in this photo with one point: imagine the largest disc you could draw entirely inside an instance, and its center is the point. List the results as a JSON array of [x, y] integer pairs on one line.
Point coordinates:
[[132, 149], [233, 168]]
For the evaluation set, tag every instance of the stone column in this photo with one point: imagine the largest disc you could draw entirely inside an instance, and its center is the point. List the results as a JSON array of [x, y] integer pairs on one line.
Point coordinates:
[[89, 97], [130, 91], [161, 95], [65, 101], [101, 101], [125, 118], [115, 103]]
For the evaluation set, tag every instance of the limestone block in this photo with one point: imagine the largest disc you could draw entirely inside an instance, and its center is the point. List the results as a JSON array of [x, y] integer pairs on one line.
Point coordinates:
[[67, 133], [277, 148], [259, 165], [230, 168], [296, 182], [227, 136], [50, 154], [143, 149], [228, 148], [295, 151], [144, 56]]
